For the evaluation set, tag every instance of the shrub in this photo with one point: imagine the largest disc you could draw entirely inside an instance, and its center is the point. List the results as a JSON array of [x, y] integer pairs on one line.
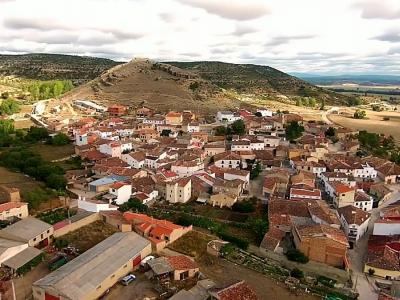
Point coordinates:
[[60, 139], [360, 114], [297, 256], [371, 272], [244, 206], [326, 281], [297, 273]]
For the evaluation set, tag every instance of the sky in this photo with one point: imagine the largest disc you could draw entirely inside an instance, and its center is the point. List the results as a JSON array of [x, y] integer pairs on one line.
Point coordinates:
[[307, 36]]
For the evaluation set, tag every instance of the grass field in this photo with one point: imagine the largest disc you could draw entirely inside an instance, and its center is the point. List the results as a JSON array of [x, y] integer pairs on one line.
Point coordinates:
[[19, 180], [373, 123], [49, 152], [194, 243], [88, 236]]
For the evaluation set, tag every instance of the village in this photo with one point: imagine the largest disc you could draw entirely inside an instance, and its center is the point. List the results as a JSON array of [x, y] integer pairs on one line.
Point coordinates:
[[171, 197]]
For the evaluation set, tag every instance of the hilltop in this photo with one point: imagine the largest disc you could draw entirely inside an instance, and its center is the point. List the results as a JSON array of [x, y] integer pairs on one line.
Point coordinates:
[[79, 69], [200, 86], [258, 80], [158, 85]]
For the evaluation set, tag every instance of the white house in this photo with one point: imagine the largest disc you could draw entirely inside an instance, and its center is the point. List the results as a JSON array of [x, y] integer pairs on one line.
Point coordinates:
[[187, 168], [354, 222], [241, 145], [299, 193], [327, 177], [121, 191], [192, 127], [271, 141], [135, 159], [227, 160], [227, 117], [178, 191], [113, 149], [363, 201], [265, 112], [93, 205], [243, 175], [81, 138]]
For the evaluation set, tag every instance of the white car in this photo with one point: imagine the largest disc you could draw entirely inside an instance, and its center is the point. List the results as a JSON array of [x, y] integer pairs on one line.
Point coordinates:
[[128, 279], [146, 259]]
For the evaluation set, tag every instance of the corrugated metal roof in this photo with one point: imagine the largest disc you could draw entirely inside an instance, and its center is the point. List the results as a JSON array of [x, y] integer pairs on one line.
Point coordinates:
[[22, 258], [86, 272]]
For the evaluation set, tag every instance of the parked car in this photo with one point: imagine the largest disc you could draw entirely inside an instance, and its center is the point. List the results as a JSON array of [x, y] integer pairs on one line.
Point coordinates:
[[127, 279], [144, 261]]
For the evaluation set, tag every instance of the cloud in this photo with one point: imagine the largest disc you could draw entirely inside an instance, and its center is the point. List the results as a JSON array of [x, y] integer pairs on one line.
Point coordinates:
[[394, 50], [232, 9], [382, 9], [392, 36], [36, 24], [241, 30], [167, 17], [280, 40]]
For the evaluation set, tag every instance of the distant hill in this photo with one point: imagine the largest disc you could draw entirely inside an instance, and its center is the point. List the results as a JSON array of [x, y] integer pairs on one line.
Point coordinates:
[[161, 86], [367, 80], [201, 86], [258, 80], [79, 69]]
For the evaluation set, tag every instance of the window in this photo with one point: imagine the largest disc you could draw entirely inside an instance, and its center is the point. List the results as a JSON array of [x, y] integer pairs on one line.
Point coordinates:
[[113, 275], [34, 239], [125, 266], [99, 287], [41, 236]]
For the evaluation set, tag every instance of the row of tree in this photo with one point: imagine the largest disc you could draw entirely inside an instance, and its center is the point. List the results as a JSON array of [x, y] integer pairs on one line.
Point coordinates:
[[41, 90]]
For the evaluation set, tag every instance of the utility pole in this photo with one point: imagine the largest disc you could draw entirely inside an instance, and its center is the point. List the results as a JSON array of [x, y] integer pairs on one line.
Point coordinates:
[[13, 290]]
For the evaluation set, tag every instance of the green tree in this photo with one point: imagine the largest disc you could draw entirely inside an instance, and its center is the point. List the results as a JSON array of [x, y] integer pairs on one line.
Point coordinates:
[[360, 114], [58, 88], [322, 104], [255, 172], [238, 127], [297, 256], [60, 139], [312, 102], [56, 181], [6, 126], [330, 132], [259, 226], [299, 102], [293, 131], [9, 107], [220, 131], [37, 134], [165, 132]]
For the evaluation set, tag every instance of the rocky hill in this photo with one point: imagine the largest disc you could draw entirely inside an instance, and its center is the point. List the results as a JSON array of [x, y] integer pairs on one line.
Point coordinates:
[[258, 80], [200, 86], [79, 69], [159, 85]]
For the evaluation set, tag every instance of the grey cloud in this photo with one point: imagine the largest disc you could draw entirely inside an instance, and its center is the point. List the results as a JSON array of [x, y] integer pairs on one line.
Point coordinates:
[[391, 36], [231, 9], [280, 40], [221, 50], [394, 50], [243, 30], [378, 10], [36, 24], [167, 17]]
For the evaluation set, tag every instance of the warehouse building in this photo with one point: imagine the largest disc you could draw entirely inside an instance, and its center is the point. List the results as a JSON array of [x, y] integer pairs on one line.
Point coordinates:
[[32, 231], [90, 275]]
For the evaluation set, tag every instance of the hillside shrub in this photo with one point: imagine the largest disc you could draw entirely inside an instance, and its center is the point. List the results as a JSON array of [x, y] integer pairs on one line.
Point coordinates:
[[297, 256]]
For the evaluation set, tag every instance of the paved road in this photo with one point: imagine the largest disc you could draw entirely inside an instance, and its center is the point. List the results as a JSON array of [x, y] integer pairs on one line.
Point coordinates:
[[365, 284]]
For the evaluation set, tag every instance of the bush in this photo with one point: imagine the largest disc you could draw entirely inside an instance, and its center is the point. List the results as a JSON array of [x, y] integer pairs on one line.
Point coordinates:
[[60, 243], [226, 250], [326, 281], [37, 196], [297, 256], [241, 243], [60, 139], [371, 272], [360, 114], [297, 273], [245, 206], [9, 107], [133, 205]]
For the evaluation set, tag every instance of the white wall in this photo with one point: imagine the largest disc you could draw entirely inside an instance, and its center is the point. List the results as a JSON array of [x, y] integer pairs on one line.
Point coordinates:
[[386, 228]]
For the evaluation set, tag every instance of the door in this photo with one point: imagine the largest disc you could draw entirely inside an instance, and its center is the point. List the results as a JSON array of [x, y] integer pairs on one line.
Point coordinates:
[[136, 261], [50, 297]]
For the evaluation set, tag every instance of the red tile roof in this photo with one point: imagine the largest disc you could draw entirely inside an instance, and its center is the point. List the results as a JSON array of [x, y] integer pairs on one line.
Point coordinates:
[[237, 291], [181, 262], [10, 205]]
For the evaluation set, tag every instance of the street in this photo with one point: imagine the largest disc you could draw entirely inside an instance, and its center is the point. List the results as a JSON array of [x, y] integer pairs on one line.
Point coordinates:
[[363, 283]]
